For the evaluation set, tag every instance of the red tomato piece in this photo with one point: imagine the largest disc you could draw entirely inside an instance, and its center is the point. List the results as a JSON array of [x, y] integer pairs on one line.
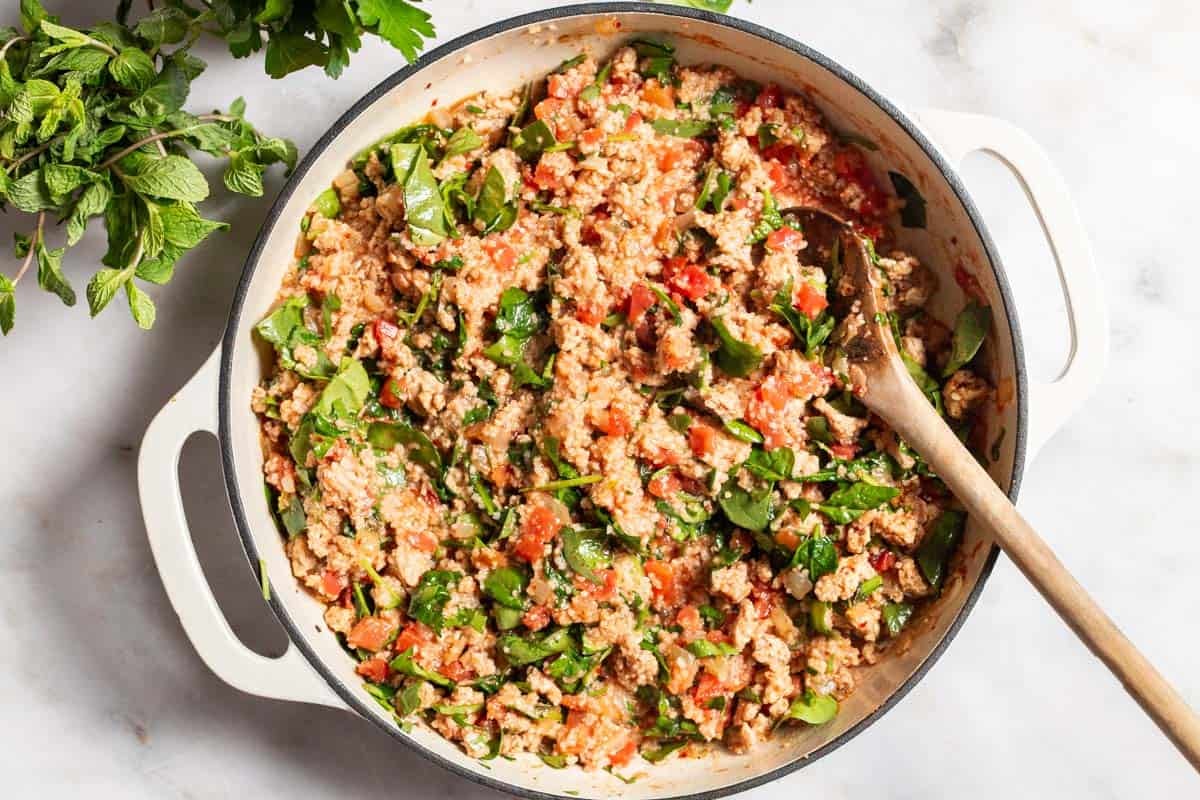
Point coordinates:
[[708, 687], [373, 669], [389, 396], [632, 122], [538, 527], [616, 423], [662, 581], [370, 633], [701, 439], [785, 239], [591, 137], [771, 96], [663, 485], [332, 583], [548, 108], [882, 560], [536, 618], [845, 451], [386, 331], [640, 299], [688, 280], [456, 671], [808, 300], [557, 86], [414, 635], [625, 754], [588, 314]]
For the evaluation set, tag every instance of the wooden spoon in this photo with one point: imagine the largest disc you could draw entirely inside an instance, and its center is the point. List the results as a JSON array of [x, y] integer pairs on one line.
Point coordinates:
[[883, 385]]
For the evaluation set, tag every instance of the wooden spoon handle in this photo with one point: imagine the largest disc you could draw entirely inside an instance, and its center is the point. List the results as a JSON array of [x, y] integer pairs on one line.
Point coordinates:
[[971, 484]]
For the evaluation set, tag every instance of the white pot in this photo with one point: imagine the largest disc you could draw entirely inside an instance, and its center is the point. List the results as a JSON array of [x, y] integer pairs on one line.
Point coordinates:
[[925, 147]]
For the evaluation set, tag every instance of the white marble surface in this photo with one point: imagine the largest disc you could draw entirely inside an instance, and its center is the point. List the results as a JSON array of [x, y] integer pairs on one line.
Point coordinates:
[[101, 689]]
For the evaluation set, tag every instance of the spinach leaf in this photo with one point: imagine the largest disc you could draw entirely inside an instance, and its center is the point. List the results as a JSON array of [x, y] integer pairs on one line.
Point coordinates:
[[933, 554], [816, 554], [657, 754], [682, 128], [970, 329], [494, 209], [868, 588], [715, 189], [850, 502], [405, 665], [812, 332], [734, 357], [295, 521], [506, 586], [740, 430], [387, 435], [912, 215], [516, 315], [464, 140], [533, 140], [520, 650], [592, 90], [813, 708], [656, 59], [896, 616], [430, 597], [703, 648], [771, 219], [767, 135], [424, 209], [516, 321], [928, 386], [586, 551], [772, 465], [750, 510], [346, 391]]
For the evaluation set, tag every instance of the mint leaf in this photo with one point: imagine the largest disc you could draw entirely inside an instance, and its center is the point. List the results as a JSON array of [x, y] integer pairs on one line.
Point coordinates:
[[140, 305], [8, 306], [50, 275], [133, 69], [171, 178], [103, 287], [400, 23]]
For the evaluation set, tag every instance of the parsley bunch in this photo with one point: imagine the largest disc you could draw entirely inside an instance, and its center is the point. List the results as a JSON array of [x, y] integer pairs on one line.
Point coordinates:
[[92, 124]]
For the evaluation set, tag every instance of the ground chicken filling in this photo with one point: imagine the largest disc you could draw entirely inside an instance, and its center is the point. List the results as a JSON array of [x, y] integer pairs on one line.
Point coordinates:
[[560, 433]]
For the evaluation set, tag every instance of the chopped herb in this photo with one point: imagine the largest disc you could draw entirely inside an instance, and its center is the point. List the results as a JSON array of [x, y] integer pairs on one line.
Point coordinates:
[[970, 329], [566, 483], [681, 128], [912, 214], [813, 708], [896, 616], [933, 554], [734, 357], [703, 648], [430, 597], [740, 430]]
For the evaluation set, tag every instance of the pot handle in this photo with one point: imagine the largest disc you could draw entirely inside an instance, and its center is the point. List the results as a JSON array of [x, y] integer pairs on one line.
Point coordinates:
[[288, 677], [1050, 404]]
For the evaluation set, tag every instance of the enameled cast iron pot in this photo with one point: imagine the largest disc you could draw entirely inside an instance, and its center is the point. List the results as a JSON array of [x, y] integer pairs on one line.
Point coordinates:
[[925, 147]]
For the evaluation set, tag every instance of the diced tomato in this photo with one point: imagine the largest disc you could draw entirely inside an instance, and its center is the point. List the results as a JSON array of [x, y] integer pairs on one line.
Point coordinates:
[[669, 158], [548, 108], [591, 137], [787, 539], [663, 485], [662, 581], [625, 754], [538, 527], [332, 583], [689, 619], [557, 86], [615, 422], [389, 396], [414, 635], [456, 671], [370, 633], [780, 152], [808, 300], [708, 687], [501, 253], [661, 96], [969, 284], [373, 669], [632, 121], [850, 165], [386, 331], [544, 177], [844, 451], [688, 280], [605, 589], [882, 560], [739, 201], [640, 299], [588, 314], [701, 438], [771, 96], [785, 239], [422, 540], [536, 618]]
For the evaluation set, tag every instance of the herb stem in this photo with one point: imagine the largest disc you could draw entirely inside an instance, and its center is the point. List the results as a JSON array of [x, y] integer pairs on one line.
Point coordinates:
[[158, 137], [34, 238], [41, 148], [566, 483], [10, 43]]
